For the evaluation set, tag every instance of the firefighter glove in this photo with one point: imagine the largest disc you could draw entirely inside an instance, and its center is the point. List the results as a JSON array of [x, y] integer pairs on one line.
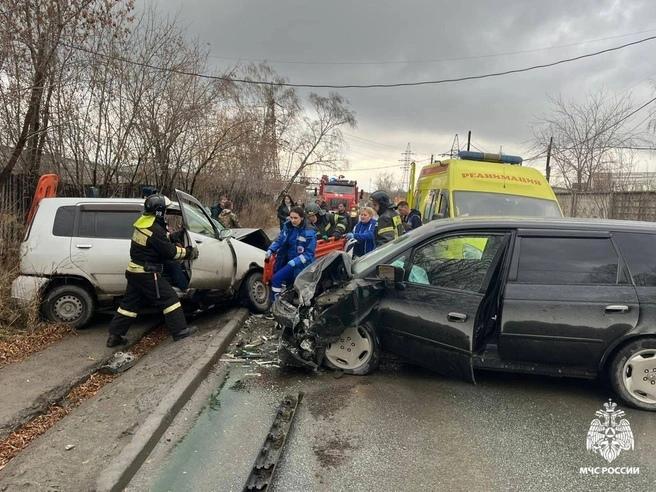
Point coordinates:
[[349, 236], [192, 252]]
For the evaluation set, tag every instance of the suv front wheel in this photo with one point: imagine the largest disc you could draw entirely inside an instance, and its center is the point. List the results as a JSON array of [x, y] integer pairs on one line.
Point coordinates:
[[633, 373], [69, 304]]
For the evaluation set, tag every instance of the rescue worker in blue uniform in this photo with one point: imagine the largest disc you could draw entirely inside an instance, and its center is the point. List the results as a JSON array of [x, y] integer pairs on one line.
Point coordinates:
[[294, 250], [150, 248]]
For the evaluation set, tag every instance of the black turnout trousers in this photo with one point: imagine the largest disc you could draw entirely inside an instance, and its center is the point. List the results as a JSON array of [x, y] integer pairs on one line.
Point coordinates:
[[143, 290]]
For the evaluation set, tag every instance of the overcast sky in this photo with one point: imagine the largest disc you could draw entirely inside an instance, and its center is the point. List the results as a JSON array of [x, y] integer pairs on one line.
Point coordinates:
[[361, 41]]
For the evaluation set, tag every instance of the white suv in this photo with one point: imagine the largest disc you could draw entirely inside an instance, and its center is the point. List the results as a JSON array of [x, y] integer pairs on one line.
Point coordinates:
[[76, 250]]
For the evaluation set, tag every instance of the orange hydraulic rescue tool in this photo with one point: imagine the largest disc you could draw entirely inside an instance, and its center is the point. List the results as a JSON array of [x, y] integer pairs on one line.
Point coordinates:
[[323, 248], [45, 188]]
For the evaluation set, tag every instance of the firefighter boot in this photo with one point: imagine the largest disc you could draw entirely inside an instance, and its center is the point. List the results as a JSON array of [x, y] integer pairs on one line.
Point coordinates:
[[116, 340]]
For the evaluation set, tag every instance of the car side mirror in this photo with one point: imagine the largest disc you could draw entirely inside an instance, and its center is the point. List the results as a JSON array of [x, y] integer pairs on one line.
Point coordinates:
[[391, 275], [225, 234]]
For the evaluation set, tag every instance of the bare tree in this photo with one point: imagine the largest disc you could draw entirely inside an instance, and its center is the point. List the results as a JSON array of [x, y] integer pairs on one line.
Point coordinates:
[[590, 142], [319, 139], [387, 182], [39, 35]]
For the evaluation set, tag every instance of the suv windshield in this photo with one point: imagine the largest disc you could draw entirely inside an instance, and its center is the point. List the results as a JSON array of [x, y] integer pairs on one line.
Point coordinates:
[[370, 259], [475, 203]]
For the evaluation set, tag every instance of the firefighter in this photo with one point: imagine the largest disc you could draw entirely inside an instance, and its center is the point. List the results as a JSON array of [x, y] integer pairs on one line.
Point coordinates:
[[294, 250], [389, 225], [346, 216], [150, 248], [325, 223]]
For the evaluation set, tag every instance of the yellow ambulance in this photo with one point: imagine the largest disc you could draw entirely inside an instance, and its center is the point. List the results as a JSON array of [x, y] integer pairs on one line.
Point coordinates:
[[481, 184]]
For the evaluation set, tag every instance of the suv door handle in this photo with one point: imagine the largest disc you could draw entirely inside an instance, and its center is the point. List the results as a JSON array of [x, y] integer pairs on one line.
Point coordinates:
[[83, 246], [198, 241], [457, 317], [617, 308]]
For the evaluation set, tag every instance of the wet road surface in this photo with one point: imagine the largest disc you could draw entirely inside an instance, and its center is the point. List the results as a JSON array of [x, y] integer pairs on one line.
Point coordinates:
[[404, 428]]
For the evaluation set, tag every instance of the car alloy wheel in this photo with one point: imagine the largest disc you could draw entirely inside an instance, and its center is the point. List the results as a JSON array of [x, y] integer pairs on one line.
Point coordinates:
[[68, 308], [354, 349], [639, 376]]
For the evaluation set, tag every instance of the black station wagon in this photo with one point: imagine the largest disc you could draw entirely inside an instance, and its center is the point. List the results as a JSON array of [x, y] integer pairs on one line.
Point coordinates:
[[558, 297]]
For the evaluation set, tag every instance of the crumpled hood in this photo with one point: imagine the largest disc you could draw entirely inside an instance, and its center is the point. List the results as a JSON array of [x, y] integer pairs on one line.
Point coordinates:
[[254, 237], [329, 271]]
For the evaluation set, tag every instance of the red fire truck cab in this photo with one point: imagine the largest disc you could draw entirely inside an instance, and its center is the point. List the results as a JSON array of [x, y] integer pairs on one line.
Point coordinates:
[[335, 190]]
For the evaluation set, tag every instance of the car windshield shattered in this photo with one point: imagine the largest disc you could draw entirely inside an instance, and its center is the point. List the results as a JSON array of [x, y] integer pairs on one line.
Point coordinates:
[[367, 261]]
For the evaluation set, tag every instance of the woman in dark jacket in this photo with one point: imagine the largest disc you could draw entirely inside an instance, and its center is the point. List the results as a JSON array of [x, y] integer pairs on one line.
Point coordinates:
[[284, 208]]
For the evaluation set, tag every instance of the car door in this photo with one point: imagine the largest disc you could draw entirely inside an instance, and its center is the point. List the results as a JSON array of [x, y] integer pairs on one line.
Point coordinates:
[[568, 297], [214, 267], [100, 246], [431, 318]]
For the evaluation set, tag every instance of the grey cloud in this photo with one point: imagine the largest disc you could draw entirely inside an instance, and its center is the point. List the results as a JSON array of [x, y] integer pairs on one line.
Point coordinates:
[[499, 111]]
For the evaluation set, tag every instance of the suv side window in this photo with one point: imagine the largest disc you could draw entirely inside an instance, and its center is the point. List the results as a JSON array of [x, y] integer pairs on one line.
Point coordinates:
[[109, 224], [639, 251], [64, 221], [455, 262], [567, 261]]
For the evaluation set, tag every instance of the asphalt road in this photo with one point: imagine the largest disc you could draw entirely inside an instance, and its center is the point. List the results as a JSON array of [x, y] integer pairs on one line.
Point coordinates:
[[401, 428]]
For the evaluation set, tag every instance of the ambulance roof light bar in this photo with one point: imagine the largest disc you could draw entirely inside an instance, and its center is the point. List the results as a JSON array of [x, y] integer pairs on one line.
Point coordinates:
[[485, 157]]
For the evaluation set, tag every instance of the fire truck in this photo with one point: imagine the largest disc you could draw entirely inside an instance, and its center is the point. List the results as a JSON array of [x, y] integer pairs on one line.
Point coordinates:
[[335, 190]]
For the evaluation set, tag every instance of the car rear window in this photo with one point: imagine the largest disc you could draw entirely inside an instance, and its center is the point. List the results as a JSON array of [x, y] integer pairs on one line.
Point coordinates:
[[64, 221], [110, 224], [639, 251], [567, 261]]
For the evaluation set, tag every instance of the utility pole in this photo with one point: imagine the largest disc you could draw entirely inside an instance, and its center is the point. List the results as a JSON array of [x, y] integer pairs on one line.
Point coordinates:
[[407, 158], [547, 171], [468, 140]]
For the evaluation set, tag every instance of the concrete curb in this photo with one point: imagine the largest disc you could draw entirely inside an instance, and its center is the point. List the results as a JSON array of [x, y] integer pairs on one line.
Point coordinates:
[[121, 470]]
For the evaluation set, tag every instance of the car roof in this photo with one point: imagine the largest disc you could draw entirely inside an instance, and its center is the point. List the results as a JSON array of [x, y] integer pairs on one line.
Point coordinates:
[[578, 224], [75, 200]]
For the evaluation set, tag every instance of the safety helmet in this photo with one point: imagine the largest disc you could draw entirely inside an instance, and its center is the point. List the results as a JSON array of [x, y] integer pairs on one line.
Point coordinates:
[[314, 209], [381, 198], [156, 204]]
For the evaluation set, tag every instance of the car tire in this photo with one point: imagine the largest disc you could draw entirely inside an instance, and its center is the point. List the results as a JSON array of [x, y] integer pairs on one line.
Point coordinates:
[[633, 370], [356, 352], [255, 294], [69, 304]]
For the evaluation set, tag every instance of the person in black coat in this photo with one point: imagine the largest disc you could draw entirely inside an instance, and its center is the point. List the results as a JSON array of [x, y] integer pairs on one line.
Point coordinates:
[[284, 208]]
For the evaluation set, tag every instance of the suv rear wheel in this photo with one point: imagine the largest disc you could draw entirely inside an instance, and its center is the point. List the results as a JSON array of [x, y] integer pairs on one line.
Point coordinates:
[[633, 373], [69, 304], [255, 294]]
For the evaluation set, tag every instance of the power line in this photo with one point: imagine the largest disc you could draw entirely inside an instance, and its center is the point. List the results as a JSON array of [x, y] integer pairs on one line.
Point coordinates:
[[439, 60], [358, 86]]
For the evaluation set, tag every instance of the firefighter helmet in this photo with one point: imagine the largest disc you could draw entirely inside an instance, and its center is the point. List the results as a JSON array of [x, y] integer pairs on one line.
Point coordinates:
[[156, 204], [381, 198], [314, 209]]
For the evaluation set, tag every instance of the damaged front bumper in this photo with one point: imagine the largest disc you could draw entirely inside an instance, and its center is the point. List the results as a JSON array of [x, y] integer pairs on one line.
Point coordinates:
[[325, 301]]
